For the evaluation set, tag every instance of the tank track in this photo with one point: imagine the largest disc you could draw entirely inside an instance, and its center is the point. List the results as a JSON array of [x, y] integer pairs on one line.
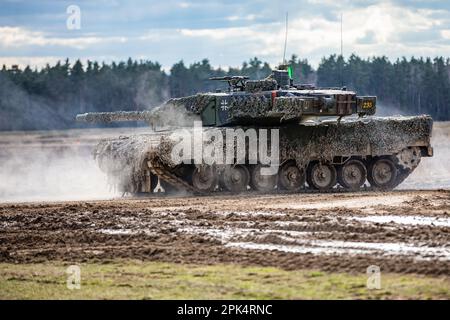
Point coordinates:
[[179, 183], [171, 178]]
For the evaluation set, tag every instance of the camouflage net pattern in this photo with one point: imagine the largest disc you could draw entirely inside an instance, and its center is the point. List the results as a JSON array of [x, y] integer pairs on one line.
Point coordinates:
[[356, 137], [106, 117], [124, 159], [190, 106], [260, 85], [253, 106], [292, 107], [195, 104]]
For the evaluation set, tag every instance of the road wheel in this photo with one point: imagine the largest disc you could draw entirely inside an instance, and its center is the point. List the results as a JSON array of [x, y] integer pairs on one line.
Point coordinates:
[[204, 178], [262, 182], [235, 178], [352, 174], [382, 173], [291, 177], [321, 176]]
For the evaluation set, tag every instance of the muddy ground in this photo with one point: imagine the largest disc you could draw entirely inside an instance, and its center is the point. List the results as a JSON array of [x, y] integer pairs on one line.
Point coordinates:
[[405, 231], [400, 231]]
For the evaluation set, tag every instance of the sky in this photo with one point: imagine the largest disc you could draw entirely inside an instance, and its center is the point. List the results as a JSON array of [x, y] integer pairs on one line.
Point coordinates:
[[225, 32]]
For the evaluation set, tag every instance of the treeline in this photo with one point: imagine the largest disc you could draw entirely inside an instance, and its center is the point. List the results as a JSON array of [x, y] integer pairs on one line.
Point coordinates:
[[50, 98]]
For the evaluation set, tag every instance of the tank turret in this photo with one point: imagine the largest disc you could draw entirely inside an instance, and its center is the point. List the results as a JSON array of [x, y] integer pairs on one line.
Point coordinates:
[[270, 101]]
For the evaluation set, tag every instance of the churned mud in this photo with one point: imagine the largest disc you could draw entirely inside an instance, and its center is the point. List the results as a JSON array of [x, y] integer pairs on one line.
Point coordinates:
[[400, 231], [405, 231]]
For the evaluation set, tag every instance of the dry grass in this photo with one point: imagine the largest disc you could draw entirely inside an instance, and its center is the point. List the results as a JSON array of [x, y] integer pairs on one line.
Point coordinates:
[[152, 280]]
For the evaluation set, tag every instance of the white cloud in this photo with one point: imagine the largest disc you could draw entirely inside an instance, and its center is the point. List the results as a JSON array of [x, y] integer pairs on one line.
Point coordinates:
[[184, 5], [18, 37], [383, 28], [446, 34], [314, 36], [249, 17]]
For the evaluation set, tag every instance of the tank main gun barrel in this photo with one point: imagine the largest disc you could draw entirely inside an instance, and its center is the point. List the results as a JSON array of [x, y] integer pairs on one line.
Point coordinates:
[[228, 78], [106, 117]]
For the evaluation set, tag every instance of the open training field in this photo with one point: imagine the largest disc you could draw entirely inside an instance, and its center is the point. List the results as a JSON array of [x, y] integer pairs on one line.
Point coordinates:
[[57, 211]]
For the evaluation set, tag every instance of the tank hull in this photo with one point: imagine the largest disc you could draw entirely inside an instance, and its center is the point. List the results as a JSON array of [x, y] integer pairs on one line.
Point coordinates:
[[353, 154]]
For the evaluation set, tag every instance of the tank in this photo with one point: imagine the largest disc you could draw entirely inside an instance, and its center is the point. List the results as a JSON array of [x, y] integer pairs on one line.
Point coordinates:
[[269, 135]]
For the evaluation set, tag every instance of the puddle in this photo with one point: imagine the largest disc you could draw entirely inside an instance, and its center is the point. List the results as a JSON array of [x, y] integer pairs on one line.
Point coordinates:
[[303, 242], [167, 208], [117, 231], [126, 231], [228, 233], [288, 232], [220, 234], [300, 243], [250, 213], [290, 223], [291, 248], [409, 220], [319, 247]]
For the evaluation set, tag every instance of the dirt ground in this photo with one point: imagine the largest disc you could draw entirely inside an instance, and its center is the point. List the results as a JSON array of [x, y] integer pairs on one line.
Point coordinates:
[[400, 231], [76, 218]]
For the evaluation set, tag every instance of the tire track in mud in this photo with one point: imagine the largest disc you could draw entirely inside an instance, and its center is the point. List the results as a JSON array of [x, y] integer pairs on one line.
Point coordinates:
[[401, 231]]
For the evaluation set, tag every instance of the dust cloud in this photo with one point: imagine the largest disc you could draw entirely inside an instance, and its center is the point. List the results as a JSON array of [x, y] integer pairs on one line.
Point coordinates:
[[434, 172], [38, 168], [55, 165]]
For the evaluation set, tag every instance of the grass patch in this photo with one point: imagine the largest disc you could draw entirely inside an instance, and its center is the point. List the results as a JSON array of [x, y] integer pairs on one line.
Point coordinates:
[[124, 279]]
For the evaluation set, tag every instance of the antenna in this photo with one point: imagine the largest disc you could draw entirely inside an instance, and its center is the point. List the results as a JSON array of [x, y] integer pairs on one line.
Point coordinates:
[[285, 40], [342, 42], [342, 56]]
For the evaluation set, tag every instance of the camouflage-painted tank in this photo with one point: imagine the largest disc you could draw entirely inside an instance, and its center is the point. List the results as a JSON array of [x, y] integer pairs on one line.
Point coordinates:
[[326, 139]]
